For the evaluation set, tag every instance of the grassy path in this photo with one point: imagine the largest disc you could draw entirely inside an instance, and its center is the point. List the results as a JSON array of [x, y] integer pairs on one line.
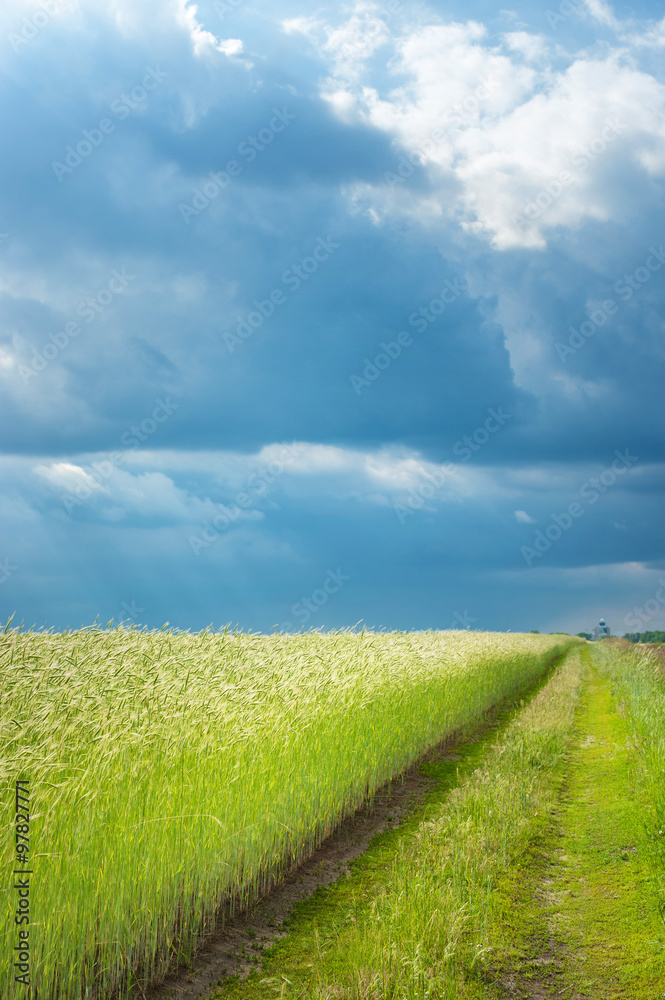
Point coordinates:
[[579, 916], [524, 876], [293, 965]]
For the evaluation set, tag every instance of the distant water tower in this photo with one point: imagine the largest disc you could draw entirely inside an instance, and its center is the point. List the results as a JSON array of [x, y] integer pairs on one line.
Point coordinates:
[[601, 631]]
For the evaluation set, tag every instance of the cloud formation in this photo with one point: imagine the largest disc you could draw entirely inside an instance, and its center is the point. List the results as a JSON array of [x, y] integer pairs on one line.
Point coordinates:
[[372, 290]]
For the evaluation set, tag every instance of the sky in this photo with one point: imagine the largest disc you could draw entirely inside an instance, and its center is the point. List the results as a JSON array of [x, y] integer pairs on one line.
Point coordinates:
[[313, 316]]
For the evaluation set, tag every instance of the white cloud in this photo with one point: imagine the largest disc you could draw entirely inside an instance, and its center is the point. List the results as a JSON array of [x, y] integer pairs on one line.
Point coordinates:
[[143, 483], [203, 41], [602, 12], [454, 82], [544, 164], [308, 26], [531, 47], [7, 359], [350, 44], [652, 38], [117, 493], [347, 47], [523, 517], [512, 152], [66, 476]]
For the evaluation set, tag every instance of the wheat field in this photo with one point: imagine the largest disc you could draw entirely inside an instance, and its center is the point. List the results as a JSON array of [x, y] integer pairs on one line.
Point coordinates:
[[173, 774]]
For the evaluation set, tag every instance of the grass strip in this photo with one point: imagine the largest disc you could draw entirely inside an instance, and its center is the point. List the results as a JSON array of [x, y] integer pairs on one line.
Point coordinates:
[[413, 919], [576, 916], [638, 683]]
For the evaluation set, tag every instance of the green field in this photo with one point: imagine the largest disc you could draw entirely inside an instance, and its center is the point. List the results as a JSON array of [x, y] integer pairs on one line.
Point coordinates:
[[534, 870], [172, 774], [174, 777]]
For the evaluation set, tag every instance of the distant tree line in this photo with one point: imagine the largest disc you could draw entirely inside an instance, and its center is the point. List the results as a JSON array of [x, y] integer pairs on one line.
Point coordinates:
[[536, 631], [645, 636]]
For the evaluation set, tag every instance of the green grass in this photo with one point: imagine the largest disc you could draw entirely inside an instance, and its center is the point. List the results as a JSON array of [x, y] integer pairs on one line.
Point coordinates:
[[532, 870], [638, 680], [577, 916], [172, 774], [414, 919], [614, 936], [320, 926]]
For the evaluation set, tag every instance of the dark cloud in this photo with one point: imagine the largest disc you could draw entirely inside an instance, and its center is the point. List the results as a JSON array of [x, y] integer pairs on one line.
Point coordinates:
[[269, 302]]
